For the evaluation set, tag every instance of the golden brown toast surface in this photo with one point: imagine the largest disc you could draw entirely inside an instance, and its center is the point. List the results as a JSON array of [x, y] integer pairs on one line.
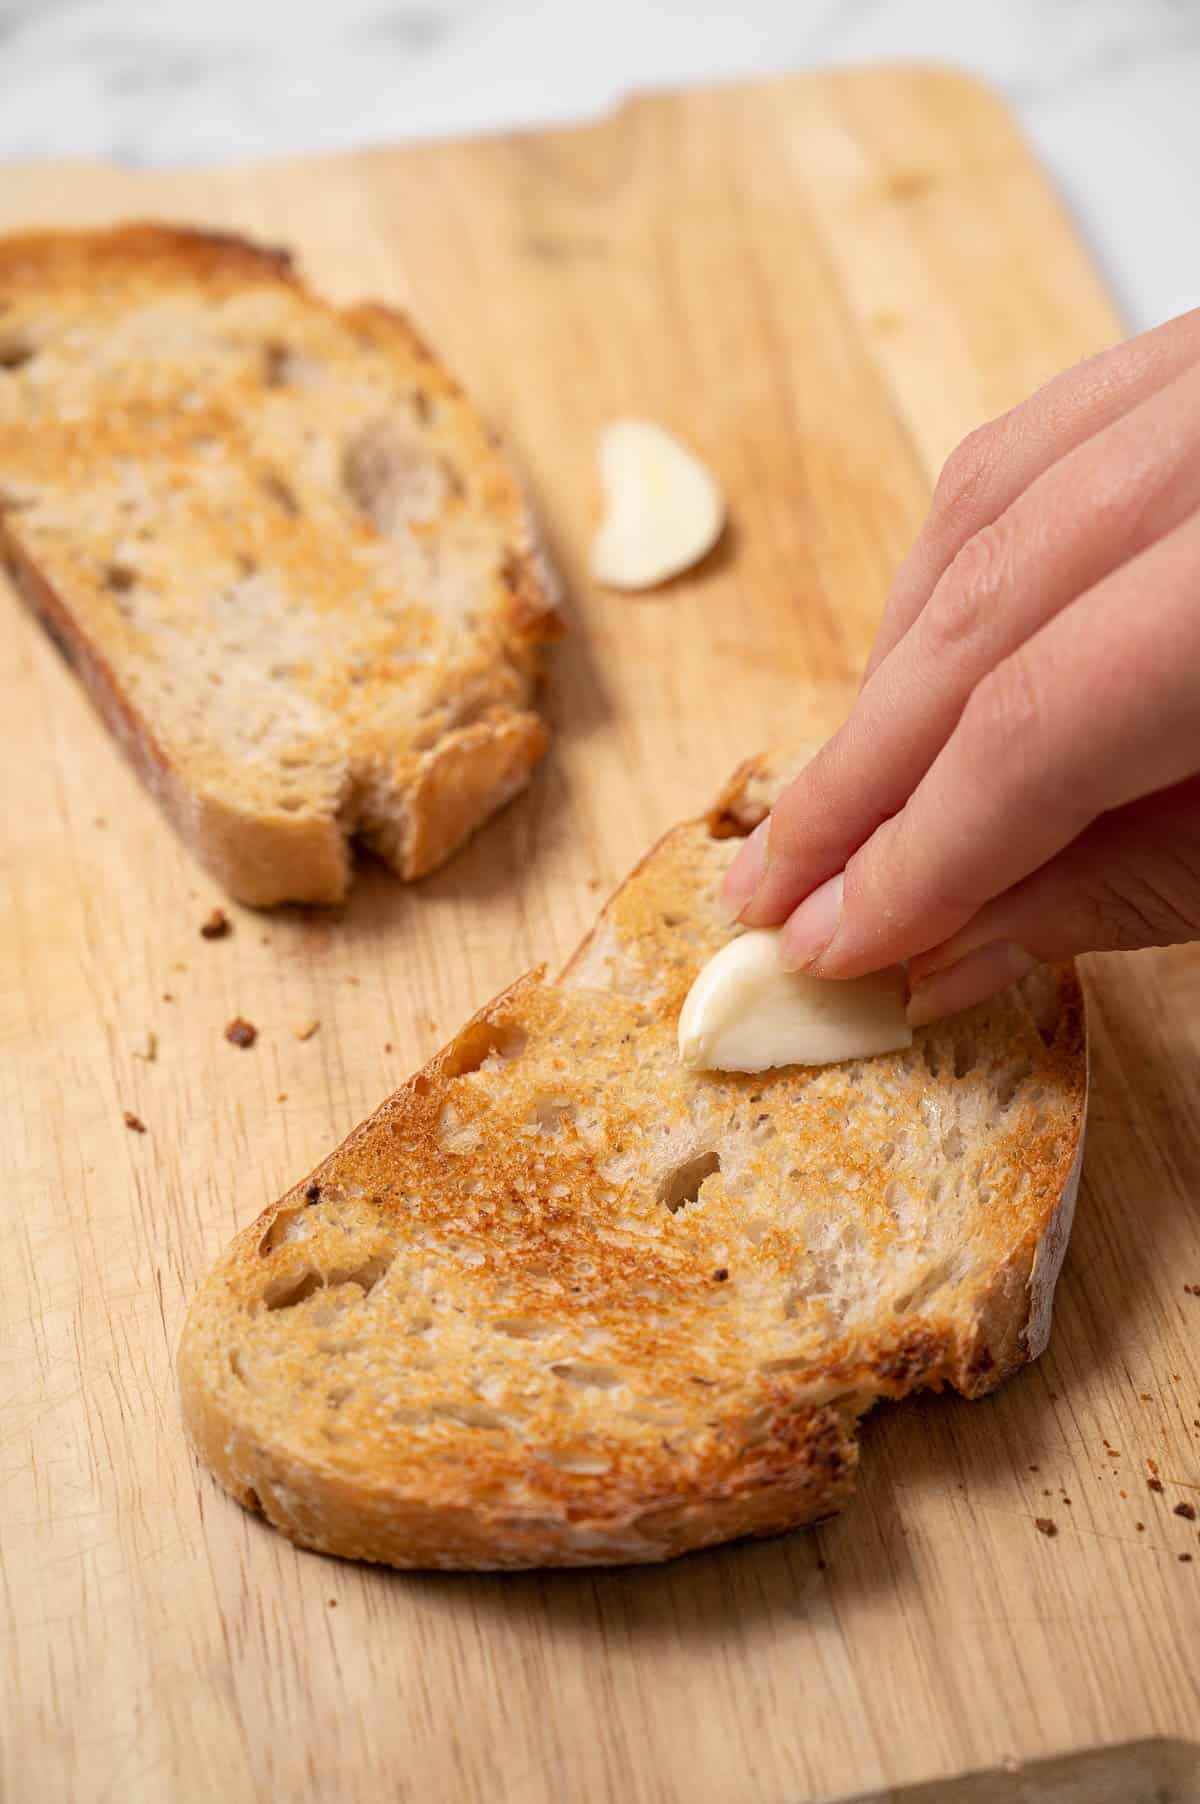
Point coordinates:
[[561, 1300]]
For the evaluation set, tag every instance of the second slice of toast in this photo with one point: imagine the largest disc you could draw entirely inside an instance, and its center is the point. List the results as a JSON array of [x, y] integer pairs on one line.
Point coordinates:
[[278, 546]]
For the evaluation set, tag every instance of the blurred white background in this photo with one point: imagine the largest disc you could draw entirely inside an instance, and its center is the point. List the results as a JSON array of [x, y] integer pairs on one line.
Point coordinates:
[[1106, 89]]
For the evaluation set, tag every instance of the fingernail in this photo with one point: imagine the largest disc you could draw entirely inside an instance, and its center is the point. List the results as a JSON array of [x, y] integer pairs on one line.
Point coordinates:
[[969, 980], [746, 872], [809, 930]]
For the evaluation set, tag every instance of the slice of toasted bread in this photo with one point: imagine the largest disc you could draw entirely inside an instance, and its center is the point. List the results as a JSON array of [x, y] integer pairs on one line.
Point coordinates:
[[278, 546], [562, 1301]]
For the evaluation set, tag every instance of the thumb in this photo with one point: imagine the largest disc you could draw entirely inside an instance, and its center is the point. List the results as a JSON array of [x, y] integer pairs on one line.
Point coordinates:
[[1131, 880]]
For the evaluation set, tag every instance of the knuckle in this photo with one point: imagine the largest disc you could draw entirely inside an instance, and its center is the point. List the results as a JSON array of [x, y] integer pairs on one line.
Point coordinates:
[[1004, 723], [964, 601]]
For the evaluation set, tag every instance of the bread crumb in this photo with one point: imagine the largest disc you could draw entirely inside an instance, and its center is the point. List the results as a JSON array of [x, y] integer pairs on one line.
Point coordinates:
[[240, 1032], [1140, 1527], [100, 821], [1186, 1510], [145, 1047], [304, 1030], [1185, 1559], [387, 1045], [282, 1097], [720, 1275], [134, 1122], [167, 996], [217, 925], [333, 1603], [1046, 1525], [1155, 1484]]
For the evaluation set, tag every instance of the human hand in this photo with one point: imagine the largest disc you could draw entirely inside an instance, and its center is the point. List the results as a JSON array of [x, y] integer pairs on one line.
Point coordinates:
[[1019, 778]]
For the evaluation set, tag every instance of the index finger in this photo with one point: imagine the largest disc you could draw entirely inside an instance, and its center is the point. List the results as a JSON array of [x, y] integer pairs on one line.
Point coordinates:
[[1091, 713]]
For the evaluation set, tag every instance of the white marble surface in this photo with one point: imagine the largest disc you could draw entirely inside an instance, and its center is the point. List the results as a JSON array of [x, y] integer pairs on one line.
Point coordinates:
[[1108, 90]]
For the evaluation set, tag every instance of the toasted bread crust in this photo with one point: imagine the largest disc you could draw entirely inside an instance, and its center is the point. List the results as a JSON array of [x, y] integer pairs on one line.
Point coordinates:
[[186, 366], [560, 1302]]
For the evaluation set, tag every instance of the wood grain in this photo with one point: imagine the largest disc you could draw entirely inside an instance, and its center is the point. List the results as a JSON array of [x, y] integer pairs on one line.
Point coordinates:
[[822, 283]]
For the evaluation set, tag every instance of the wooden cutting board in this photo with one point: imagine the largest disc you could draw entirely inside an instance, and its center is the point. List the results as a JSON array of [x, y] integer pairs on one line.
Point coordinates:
[[822, 283]]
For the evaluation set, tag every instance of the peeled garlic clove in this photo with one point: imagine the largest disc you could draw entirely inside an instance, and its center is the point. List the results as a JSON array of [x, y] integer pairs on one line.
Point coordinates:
[[663, 511], [746, 1013]]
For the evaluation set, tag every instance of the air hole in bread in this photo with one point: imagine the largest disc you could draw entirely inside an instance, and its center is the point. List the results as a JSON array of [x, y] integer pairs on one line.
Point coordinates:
[[235, 1366], [953, 1145], [798, 1297], [481, 1042], [682, 1185], [392, 479], [920, 1294], [523, 1327], [586, 1464], [275, 358], [929, 1053], [584, 1372], [551, 1113], [470, 1415], [15, 350], [120, 578], [289, 1224], [792, 1362], [1010, 1081], [286, 1293], [964, 1058], [280, 492]]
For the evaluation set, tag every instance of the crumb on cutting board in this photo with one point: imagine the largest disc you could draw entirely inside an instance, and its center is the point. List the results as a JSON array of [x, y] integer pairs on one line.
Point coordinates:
[[241, 1032]]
